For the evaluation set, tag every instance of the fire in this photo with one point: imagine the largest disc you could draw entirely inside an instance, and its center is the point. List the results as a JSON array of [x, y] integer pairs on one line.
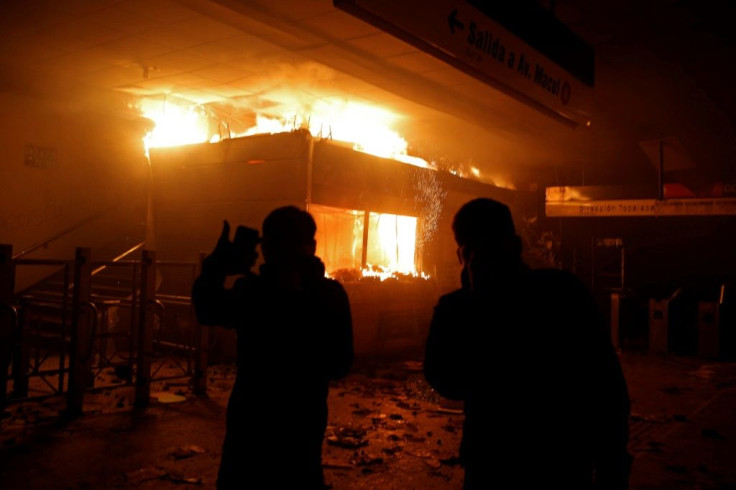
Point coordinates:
[[392, 242], [387, 249], [175, 124], [367, 128]]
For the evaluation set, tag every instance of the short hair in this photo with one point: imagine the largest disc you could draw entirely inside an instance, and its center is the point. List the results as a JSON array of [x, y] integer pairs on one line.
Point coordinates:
[[482, 220], [289, 224]]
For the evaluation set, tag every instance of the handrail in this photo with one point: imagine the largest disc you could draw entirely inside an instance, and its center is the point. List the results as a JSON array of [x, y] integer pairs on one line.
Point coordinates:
[[118, 258], [46, 242]]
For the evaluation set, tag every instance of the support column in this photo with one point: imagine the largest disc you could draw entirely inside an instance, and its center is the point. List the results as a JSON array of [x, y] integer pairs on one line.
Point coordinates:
[[7, 318], [201, 338], [145, 329], [80, 359]]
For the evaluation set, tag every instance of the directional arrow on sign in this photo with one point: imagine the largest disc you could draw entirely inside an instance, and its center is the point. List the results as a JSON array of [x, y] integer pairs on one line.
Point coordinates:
[[452, 20]]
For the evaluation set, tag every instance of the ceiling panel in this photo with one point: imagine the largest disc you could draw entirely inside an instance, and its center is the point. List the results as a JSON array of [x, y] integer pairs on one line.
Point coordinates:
[[417, 62], [336, 24], [381, 45]]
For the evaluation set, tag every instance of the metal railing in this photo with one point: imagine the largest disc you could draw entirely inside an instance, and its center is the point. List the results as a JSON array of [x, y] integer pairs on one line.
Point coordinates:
[[60, 342]]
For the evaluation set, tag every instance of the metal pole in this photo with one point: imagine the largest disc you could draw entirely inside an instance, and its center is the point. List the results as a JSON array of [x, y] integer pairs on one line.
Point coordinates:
[[660, 194], [364, 255], [145, 329], [201, 339], [7, 322], [80, 373]]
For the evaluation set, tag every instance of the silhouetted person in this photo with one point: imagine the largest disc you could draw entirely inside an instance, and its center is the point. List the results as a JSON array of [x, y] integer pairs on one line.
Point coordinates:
[[546, 404], [294, 335]]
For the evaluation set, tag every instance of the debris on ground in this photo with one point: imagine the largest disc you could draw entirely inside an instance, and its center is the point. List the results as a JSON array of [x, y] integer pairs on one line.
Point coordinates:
[[187, 451], [347, 437], [141, 475], [365, 459], [180, 479]]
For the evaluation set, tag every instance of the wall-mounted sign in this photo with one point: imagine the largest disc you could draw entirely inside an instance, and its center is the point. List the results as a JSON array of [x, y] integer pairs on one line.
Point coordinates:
[[640, 207], [462, 36]]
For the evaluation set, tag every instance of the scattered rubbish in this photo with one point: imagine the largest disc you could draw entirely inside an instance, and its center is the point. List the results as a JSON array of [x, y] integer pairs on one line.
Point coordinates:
[[348, 437], [187, 451], [165, 397], [416, 366], [419, 453], [365, 459], [183, 479], [712, 434], [137, 477]]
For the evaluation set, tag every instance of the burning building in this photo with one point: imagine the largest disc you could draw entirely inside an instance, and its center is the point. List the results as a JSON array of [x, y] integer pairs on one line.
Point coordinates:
[[383, 226]]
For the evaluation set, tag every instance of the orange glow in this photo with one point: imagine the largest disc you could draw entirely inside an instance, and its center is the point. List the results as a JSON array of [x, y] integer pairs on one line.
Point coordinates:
[[392, 242], [175, 124], [367, 128], [390, 249]]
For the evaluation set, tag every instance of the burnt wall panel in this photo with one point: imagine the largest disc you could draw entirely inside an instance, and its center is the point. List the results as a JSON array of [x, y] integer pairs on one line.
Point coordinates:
[[241, 180], [345, 178]]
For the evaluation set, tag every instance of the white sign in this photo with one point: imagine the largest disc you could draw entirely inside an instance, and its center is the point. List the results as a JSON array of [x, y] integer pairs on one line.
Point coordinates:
[[641, 207], [466, 38]]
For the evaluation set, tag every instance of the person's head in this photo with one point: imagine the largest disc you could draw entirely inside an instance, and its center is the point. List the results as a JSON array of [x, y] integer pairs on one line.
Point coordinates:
[[486, 238], [288, 235]]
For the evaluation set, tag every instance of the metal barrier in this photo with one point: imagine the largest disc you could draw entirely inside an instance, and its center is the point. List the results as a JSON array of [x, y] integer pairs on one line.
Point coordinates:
[[40, 353], [60, 342], [179, 333]]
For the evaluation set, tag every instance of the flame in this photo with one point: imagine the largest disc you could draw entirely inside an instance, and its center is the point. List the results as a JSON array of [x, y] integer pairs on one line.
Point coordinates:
[[390, 248], [383, 273], [175, 124], [367, 128]]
